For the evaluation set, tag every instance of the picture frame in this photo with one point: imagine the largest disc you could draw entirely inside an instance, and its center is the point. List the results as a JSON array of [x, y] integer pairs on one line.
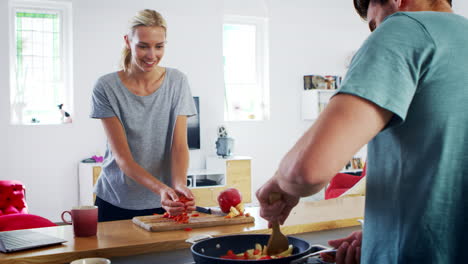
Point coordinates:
[[322, 82]]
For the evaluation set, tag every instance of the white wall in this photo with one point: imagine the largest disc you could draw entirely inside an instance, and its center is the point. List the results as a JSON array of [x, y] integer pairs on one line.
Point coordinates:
[[305, 39]]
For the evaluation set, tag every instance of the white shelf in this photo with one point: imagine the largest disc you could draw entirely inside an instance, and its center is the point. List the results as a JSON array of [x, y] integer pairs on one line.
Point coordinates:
[[314, 101], [215, 170], [194, 178], [204, 172], [205, 181]]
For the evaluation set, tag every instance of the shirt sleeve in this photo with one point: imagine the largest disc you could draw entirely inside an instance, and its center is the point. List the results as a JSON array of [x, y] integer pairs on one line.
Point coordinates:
[[100, 105], [185, 104], [388, 66]]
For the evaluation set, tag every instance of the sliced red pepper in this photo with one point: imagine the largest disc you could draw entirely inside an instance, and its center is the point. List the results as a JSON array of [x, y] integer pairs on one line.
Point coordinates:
[[183, 218], [183, 199]]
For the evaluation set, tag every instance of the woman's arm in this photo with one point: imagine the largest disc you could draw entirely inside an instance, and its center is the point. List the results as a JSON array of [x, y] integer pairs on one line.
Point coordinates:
[[180, 160], [179, 153], [123, 156], [121, 151]]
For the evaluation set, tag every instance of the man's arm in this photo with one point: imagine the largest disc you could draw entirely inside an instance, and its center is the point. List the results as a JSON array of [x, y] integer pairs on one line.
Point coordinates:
[[347, 123]]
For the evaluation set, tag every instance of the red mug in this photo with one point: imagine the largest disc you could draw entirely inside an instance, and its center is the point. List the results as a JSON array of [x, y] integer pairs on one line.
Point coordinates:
[[84, 220]]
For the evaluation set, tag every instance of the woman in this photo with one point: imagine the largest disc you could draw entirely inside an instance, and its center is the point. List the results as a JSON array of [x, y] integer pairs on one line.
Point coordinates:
[[143, 108]]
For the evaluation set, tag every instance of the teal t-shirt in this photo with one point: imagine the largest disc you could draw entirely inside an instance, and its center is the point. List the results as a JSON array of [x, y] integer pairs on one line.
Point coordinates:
[[415, 64]]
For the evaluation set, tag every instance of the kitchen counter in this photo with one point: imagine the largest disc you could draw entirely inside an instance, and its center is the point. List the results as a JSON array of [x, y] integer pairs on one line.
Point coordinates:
[[123, 238]]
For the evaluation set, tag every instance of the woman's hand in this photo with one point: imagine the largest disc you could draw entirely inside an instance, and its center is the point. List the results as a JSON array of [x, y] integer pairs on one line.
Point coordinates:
[[348, 249], [185, 191], [170, 201], [278, 210]]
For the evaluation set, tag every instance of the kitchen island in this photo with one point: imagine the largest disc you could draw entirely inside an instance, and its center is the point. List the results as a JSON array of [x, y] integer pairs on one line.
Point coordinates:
[[123, 238]]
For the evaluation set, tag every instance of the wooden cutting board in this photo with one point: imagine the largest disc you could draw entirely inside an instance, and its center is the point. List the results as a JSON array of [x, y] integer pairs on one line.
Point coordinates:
[[156, 223]]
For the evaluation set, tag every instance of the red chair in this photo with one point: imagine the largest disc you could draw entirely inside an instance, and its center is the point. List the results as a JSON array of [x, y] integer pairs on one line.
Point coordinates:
[[342, 182], [14, 210]]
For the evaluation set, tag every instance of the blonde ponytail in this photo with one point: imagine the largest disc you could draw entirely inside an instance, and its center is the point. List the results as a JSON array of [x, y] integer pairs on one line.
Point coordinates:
[[126, 58]]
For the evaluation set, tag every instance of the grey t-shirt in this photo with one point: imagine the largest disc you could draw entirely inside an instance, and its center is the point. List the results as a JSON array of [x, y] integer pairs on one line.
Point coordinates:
[[149, 123]]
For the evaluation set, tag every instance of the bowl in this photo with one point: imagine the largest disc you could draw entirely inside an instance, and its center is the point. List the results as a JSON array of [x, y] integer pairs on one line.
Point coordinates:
[[91, 261]]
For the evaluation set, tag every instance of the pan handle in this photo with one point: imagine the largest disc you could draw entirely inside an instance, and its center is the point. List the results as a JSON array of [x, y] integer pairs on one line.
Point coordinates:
[[317, 249], [197, 238]]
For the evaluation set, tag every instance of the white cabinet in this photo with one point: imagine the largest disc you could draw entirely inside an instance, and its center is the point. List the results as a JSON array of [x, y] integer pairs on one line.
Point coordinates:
[[206, 184], [88, 173], [236, 172]]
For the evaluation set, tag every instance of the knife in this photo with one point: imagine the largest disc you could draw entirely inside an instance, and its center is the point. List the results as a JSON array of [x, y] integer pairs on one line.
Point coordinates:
[[203, 210], [209, 210]]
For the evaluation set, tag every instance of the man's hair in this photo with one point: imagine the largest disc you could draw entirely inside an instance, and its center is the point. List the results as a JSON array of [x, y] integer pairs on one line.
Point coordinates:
[[361, 6]]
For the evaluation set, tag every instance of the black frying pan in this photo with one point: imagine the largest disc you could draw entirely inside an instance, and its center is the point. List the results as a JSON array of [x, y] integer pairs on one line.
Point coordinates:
[[209, 251]]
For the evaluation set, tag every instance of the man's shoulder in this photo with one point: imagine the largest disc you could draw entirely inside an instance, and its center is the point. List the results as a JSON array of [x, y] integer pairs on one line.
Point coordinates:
[[429, 18]]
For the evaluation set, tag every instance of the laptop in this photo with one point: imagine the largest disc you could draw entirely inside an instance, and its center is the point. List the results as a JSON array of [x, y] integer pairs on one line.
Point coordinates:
[[11, 241]]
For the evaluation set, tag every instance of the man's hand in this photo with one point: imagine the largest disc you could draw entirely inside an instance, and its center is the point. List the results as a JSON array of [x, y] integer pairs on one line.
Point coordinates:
[[279, 210], [348, 249]]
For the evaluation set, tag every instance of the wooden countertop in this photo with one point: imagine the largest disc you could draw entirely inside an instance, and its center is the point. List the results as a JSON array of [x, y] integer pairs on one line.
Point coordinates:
[[123, 238]]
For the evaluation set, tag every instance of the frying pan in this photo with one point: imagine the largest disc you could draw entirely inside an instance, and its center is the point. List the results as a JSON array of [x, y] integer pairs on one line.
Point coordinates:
[[209, 251]]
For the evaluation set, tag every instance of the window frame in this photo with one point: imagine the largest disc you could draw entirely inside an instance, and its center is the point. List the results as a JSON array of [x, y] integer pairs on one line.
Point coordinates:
[[64, 8], [262, 62]]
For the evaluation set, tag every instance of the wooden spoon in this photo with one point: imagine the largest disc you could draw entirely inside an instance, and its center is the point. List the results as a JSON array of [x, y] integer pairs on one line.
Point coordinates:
[[277, 242]]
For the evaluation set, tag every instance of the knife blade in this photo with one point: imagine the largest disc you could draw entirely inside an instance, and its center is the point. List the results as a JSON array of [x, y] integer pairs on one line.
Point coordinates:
[[203, 210], [214, 211]]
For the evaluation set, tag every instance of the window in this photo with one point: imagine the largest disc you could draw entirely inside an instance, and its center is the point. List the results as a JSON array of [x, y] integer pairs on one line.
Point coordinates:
[[245, 53], [40, 64]]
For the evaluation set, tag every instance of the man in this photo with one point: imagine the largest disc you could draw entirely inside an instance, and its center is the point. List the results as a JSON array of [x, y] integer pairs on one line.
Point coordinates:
[[405, 93]]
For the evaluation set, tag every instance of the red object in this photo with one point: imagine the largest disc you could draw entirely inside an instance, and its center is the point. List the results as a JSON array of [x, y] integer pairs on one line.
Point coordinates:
[[12, 200], [195, 215], [84, 220], [230, 255], [229, 197], [188, 229], [23, 221], [342, 182], [183, 199], [183, 218], [14, 210]]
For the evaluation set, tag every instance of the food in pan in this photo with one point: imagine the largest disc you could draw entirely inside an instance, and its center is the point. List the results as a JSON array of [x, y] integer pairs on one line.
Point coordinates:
[[257, 253]]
